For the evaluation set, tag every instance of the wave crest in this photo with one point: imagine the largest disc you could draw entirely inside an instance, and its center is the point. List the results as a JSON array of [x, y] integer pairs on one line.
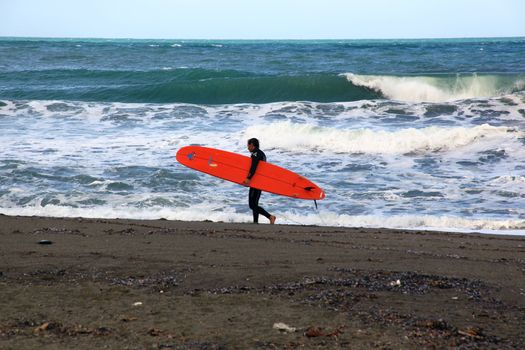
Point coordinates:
[[438, 88], [300, 137]]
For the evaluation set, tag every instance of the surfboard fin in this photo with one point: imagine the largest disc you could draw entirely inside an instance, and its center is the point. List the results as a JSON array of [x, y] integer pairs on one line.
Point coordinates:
[[315, 202]]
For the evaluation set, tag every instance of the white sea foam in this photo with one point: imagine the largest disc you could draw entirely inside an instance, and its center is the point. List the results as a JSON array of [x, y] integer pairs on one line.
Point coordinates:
[[513, 185], [431, 89], [412, 221], [298, 137], [49, 143], [9, 108], [509, 179], [101, 183], [197, 212], [508, 106]]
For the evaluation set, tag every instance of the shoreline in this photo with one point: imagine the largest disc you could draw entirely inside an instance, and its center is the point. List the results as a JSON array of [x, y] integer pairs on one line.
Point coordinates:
[[204, 285], [293, 223]]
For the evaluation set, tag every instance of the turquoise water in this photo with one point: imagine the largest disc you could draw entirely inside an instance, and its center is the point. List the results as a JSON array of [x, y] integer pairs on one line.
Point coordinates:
[[399, 133], [216, 72]]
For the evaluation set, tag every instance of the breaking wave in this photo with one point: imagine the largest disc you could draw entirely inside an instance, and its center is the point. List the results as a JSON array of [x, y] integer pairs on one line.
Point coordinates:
[[300, 137], [207, 86], [439, 88]]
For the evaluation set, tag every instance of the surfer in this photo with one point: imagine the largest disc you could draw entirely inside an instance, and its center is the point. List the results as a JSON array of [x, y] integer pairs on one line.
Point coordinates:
[[255, 194]]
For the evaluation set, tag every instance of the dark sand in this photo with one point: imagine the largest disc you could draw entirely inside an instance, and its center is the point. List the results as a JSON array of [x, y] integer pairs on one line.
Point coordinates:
[[223, 286]]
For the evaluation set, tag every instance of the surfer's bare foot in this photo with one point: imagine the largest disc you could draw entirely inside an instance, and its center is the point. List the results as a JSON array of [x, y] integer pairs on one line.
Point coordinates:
[[272, 219]]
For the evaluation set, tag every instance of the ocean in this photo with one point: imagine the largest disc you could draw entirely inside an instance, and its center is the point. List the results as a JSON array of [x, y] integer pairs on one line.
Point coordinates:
[[420, 134]]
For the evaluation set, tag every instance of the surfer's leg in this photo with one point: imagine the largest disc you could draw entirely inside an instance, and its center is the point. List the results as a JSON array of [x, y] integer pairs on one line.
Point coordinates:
[[261, 210], [253, 201], [254, 197], [264, 212], [269, 216]]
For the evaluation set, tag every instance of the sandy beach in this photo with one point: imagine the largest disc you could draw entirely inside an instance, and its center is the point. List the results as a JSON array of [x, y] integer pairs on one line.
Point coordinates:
[[124, 284]]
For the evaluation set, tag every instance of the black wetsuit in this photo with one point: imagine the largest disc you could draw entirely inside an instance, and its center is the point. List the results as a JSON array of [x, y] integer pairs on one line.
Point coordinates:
[[255, 194]]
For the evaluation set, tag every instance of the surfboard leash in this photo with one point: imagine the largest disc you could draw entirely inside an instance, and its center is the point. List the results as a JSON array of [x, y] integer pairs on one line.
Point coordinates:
[[319, 213], [286, 217]]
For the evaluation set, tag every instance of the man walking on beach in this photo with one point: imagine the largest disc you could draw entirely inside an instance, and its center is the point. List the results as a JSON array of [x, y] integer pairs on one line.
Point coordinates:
[[255, 194]]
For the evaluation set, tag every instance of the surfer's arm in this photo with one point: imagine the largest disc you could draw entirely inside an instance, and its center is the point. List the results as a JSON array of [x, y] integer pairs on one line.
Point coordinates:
[[253, 167], [255, 161]]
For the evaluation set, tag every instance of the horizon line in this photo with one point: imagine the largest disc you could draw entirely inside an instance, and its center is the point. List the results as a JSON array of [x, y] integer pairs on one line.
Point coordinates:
[[257, 39]]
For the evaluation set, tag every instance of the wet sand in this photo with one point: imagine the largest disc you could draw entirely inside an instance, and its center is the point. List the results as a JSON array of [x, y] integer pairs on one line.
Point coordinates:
[[124, 284]]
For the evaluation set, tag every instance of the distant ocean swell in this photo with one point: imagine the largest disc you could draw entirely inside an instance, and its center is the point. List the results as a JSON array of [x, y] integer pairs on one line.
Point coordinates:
[[204, 86]]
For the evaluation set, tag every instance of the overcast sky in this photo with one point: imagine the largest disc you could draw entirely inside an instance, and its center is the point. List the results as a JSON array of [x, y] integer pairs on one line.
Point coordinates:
[[262, 19]]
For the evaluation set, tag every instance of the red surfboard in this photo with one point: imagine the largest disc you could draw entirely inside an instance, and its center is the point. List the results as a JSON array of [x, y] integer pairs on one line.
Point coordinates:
[[234, 167]]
